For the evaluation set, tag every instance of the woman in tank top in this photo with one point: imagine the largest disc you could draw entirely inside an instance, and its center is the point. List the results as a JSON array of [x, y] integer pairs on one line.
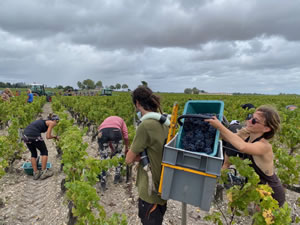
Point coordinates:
[[33, 139], [263, 125]]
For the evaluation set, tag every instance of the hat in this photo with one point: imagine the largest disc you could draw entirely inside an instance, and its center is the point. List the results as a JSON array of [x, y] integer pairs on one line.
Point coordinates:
[[53, 117], [248, 106]]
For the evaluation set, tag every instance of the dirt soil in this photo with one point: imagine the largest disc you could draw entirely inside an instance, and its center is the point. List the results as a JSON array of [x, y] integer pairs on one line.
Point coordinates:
[[26, 201]]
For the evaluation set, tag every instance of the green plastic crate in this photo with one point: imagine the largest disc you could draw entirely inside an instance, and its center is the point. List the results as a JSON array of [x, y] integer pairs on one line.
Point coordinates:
[[202, 107], [27, 166]]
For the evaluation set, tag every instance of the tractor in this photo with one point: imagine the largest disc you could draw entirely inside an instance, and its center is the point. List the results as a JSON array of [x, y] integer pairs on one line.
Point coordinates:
[[106, 92], [39, 90]]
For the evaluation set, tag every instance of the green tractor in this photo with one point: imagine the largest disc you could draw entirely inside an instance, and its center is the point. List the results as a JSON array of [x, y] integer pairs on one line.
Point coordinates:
[[106, 92], [39, 90]]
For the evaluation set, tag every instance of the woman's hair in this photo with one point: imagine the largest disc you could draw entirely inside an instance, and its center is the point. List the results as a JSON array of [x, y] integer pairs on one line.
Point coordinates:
[[146, 98], [29, 90], [8, 92], [272, 120]]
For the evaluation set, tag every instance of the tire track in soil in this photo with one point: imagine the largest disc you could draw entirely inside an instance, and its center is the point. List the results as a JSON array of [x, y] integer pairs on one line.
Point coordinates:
[[38, 202], [33, 199]]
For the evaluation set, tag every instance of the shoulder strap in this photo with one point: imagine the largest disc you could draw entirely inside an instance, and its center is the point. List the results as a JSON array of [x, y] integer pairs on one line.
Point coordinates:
[[257, 139], [163, 119]]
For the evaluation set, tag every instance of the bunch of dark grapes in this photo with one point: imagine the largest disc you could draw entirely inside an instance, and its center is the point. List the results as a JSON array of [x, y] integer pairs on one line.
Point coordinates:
[[198, 135]]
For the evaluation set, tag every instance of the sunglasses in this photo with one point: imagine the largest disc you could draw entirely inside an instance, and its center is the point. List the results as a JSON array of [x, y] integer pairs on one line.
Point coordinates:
[[253, 120]]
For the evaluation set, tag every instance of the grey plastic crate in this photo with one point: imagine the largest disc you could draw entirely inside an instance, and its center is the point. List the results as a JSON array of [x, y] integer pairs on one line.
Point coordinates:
[[193, 160], [189, 187]]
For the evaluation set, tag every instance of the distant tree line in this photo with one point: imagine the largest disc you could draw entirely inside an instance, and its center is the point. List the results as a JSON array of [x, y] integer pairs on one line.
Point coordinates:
[[13, 85], [194, 91], [239, 93], [90, 84]]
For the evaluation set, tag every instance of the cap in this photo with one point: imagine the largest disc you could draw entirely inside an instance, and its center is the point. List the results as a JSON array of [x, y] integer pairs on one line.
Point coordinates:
[[248, 106], [54, 117]]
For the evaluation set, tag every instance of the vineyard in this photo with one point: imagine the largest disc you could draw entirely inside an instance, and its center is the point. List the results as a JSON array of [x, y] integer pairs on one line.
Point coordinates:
[[73, 196]]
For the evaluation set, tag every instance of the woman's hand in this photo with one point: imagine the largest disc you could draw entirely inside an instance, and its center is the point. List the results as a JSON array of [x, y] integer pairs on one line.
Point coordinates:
[[214, 122]]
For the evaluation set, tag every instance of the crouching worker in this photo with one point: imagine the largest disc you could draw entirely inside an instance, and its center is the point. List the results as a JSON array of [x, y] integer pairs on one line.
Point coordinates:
[[33, 139], [111, 133], [151, 135]]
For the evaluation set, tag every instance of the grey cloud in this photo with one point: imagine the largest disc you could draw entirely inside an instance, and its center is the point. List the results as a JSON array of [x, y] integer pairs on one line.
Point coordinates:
[[156, 23], [215, 46]]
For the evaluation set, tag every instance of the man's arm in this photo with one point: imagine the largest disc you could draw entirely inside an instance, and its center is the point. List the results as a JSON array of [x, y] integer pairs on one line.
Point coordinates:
[[126, 143], [132, 157]]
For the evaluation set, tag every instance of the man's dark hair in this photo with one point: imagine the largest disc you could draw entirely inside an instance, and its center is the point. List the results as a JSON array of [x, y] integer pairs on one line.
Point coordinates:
[[146, 98]]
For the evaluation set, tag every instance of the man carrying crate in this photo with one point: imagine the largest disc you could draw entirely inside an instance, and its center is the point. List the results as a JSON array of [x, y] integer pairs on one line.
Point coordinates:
[[151, 135]]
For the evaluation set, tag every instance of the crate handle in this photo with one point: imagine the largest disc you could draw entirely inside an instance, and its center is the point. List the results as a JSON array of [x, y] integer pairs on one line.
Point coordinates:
[[199, 116], [186, 154]]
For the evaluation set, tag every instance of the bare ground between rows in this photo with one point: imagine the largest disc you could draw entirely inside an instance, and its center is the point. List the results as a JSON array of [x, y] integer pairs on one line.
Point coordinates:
[[40, 202], [28, 201]]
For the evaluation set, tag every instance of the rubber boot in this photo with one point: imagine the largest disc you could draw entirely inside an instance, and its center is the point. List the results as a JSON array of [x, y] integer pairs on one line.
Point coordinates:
[[118, 177], [103, 180]]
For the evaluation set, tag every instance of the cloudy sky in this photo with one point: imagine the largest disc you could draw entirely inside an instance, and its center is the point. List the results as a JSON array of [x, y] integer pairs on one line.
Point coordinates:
[[213, 45]]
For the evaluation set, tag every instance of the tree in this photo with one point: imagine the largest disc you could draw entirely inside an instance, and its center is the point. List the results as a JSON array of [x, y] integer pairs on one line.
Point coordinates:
[[89, 84], [195, 91], [80, 85], [66, 88], [112, 87], [188, 91], [144, 83], [124, 86], [99, 84], [20, 85], [59, 87], [118, 86]]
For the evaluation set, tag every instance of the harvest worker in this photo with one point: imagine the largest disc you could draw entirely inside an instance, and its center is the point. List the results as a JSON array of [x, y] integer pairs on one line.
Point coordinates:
[[6, 95], [235, 126], [33, 139], [263, 125], [151, 135], [30, 96], [111, 132], [291, 107], [9, 92], [248, 106]]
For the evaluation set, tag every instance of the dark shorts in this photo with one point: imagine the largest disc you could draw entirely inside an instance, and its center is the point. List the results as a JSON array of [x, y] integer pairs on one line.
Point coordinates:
[[279, 194], [40, 145], [151, 214], [109, 135]]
